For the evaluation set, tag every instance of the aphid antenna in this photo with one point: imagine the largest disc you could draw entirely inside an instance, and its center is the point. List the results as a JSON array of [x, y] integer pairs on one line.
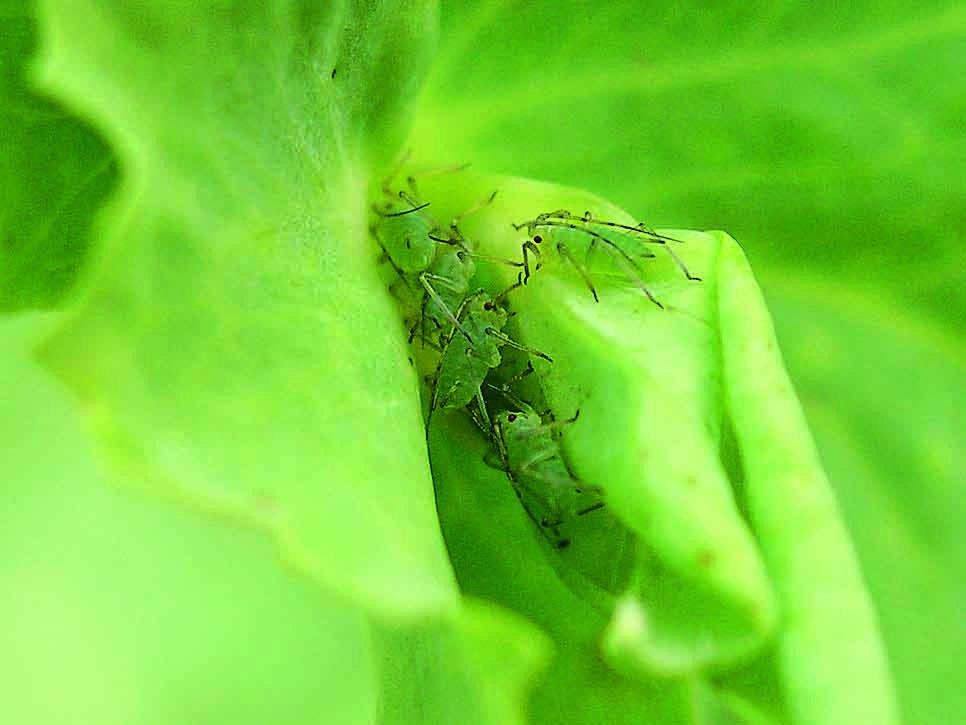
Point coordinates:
[[510, 342], [411, 200], [451, 169], [386, 182], [415, 208], [481, 204]]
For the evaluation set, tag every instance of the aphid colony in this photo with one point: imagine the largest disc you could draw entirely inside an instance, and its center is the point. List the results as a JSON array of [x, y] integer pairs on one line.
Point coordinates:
[[435, 267]]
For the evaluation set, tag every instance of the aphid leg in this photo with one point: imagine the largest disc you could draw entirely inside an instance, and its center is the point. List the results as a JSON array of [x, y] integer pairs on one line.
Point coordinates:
[[448, 241], [481, 404], [522, 375], [438, 402], [431, 291], [654, 238], [510, 342], [544, 455], [543, 523], [631, 269], [478, 421], [423, 340], [488, 258], [529, 246], [509, 395], [584, 275], [680, 263], [633, 272], [396, 269], [594, 507], [530, 226], [500, 297]]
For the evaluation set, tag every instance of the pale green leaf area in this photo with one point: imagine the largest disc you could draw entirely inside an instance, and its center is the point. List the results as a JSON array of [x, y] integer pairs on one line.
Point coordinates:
[[54, 173], [656, 389], [829, 141], [237, 350], [119, 610]]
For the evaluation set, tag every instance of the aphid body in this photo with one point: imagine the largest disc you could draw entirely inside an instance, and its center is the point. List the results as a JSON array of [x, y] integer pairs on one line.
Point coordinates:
[[431, 267], [466, 360], [530, 454], [577, 239]]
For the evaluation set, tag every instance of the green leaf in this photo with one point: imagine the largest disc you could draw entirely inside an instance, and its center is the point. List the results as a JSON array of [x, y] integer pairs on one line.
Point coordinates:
[[830, 144], [832, 662], [237, 351], [54, 174], [117, 609], [766, 120], [476, 668]]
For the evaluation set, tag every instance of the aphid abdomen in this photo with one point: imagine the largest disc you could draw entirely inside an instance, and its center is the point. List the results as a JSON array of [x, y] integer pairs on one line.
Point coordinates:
[[406, 240], [467, 359]]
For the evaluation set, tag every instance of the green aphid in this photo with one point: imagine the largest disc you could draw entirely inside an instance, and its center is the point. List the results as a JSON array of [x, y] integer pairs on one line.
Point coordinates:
[[530, 454], [467, 360], [409, 237], [453, 268], [570, 235], [405, 236]]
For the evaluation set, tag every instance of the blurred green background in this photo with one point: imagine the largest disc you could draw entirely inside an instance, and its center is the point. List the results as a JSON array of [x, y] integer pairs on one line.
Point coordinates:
[[830, 140]]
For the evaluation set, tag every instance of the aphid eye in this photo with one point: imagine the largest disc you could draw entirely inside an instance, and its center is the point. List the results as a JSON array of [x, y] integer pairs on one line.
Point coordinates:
[[512, 417], [489, 306], [409, 243], [537, 238]]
